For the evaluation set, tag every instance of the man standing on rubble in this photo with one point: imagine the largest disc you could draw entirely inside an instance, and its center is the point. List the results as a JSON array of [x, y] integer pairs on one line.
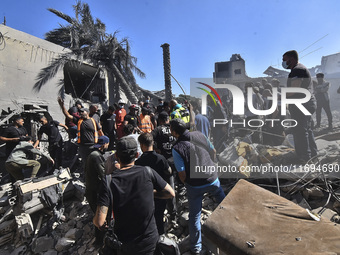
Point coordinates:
[[299, 77], [133, 190], [191, 150], [160, 164], [88, 130], [322, 100], [55, 141], [18, 159]]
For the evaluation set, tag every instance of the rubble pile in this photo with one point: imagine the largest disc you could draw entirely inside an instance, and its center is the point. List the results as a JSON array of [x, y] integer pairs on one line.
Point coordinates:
[[46, 216], [68, 228], [32, 221]]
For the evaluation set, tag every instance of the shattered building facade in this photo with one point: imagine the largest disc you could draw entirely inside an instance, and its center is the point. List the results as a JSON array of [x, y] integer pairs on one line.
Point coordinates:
[[22, 58]]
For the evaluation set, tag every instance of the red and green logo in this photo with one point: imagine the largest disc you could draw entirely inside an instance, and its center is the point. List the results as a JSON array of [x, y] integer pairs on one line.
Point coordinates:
[[209, 93]]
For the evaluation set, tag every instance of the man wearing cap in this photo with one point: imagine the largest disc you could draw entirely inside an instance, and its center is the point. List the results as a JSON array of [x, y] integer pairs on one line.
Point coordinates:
[[18, 159], [322, 100], [192, 150], [14, 134], [144, 121], [133, 189], [95, 170], [120, 115], [94, 173], [108, 120], [88, 130], [55, 141]]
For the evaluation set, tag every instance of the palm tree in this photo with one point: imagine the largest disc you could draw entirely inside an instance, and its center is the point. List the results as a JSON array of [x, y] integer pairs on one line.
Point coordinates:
[[88, 41]]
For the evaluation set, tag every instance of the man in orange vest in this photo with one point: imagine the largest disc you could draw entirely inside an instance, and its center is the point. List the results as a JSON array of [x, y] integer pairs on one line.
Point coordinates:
[[88, 131], [144, 121]]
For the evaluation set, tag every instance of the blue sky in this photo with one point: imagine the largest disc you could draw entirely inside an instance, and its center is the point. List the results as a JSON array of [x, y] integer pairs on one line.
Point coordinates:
[[200, 32]]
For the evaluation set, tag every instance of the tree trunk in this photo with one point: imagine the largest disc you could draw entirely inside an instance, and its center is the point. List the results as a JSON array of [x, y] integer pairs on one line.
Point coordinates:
[[167, 71], [124, 85]]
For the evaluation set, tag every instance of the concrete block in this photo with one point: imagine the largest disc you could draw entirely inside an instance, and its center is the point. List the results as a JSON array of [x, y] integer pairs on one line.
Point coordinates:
[[42, 244], [64, 244]]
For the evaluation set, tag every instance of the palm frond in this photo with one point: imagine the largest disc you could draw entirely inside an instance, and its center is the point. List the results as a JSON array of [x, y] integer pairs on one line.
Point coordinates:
[[60, 36], [50, 71], [62, 15]]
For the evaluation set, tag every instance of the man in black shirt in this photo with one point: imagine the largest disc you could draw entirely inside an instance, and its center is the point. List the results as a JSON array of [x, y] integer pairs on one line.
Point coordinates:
[[299, 77], [131, 117], [162, 136], [133, 191], [14, 133], [55, 141], [107, 120], [160, 164], [160, 106], [164, 141]]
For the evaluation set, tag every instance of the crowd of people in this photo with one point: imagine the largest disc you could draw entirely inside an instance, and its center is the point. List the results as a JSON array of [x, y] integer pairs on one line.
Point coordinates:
[[155, 147]]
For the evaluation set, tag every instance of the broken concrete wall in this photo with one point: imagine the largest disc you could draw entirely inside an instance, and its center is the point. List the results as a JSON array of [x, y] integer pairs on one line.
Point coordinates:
[[22, 56]]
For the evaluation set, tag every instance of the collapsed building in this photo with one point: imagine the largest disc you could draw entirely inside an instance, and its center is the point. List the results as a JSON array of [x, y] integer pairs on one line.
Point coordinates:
[[237, 226]]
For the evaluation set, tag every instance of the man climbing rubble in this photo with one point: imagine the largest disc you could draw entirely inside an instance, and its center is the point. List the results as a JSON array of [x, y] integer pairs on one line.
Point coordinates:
[[193, 149], [19, 159], [133, 189], [55, 141]]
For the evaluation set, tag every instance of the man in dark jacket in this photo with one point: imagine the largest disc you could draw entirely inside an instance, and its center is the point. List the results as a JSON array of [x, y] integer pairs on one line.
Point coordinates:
[[193, 151]]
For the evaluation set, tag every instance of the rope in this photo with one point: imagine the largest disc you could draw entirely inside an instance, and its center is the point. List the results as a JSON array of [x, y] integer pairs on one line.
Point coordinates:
[[90, 82]]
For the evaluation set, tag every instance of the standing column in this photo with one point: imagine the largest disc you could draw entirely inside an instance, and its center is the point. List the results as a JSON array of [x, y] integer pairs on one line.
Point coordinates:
[[167, 71]]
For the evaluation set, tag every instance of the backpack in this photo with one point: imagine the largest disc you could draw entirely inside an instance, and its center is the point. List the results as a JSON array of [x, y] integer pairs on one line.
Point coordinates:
[[166, 246]]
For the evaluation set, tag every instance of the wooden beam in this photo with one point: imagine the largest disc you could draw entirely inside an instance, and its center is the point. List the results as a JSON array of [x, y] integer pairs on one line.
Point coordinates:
[[45, 183]]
